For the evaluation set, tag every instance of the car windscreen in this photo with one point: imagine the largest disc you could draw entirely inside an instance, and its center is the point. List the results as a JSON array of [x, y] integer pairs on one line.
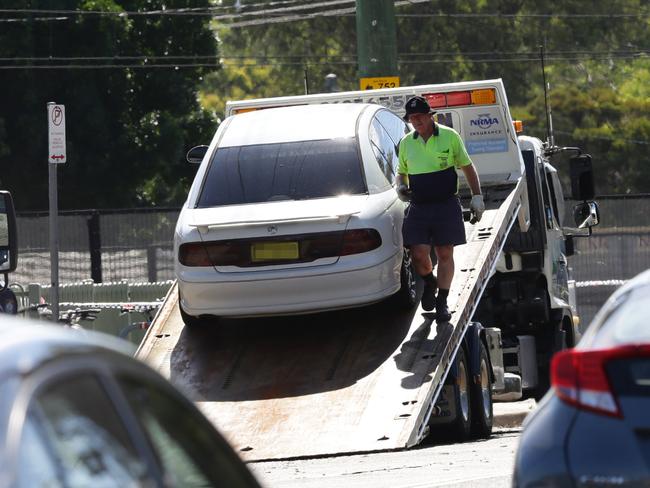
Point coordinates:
[[283, 171]]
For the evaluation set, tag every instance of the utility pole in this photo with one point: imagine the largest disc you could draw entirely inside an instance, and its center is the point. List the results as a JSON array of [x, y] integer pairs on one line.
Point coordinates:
[[377, 44]]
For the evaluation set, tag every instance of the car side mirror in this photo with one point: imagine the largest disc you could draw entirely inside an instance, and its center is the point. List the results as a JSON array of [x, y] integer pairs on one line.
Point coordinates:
[[8, 238], [582, 178], [196, 154], [586, 215]]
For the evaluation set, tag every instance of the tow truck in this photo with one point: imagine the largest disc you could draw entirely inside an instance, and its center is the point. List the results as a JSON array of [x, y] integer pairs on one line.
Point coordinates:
[[376, 379]]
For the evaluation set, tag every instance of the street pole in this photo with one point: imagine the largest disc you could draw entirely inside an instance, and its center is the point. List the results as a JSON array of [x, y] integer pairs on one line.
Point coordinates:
[[54, 242], [376, 38], [56, 155]]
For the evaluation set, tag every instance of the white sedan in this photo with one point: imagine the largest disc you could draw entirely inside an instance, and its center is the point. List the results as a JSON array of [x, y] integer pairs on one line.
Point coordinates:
[[294, 210]]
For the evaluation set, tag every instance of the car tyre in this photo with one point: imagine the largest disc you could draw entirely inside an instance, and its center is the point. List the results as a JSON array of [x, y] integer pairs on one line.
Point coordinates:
[[481, 398], [191, 321], [407, 296]]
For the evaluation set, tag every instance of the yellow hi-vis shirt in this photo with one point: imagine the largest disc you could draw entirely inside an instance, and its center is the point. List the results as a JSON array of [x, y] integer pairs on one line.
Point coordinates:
[[431, 166]]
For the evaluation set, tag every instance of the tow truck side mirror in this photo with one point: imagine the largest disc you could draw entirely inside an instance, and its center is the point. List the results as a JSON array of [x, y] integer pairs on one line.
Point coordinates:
[[586, 215], [582, 178], [196, 154], [8, 238]]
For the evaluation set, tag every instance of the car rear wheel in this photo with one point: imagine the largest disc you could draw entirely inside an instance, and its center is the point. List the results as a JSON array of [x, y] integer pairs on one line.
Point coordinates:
[[192, 321], [407, 296]]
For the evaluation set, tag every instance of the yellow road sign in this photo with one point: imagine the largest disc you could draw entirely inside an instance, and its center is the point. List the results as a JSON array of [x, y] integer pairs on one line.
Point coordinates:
[[379, 82]]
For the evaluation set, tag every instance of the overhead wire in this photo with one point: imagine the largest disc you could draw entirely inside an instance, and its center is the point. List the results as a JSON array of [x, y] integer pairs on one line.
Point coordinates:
[[171, 57], [609, 57]]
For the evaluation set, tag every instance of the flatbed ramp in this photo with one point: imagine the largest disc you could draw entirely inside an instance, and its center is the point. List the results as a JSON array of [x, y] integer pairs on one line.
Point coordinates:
[[349, 381]]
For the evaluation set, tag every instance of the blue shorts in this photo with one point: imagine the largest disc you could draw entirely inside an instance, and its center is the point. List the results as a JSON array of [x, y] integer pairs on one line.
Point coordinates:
[[435, 224]]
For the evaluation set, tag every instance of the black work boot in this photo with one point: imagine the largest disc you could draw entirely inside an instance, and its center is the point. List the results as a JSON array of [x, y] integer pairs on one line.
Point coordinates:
[[442, 311], [429, 293]]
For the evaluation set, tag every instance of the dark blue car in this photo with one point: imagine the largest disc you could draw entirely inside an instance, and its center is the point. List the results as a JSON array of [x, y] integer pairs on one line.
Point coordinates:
[[592, 429]]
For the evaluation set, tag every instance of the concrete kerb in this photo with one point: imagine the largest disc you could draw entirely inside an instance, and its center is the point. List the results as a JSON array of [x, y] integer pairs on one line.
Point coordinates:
[[512, 414]]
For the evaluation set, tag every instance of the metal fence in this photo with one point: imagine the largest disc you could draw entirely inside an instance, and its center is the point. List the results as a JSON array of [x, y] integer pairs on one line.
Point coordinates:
[[99, 245], [618, 250], [136, 246]]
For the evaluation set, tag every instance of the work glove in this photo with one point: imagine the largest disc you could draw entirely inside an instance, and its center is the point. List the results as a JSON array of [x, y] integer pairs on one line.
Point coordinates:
[[477, 207], [403, 193]]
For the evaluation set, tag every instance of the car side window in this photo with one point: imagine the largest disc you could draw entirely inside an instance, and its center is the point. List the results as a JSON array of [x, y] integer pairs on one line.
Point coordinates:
[[384, 150], [73, 429], [189, 451], [34, 452], [396, 129]]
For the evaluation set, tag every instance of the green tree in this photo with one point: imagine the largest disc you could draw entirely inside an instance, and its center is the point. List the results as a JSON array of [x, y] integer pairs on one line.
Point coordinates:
[[128, 128], [599, 93]]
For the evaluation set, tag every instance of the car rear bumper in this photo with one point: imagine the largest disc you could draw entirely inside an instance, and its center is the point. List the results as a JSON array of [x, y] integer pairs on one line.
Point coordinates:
[[249, 294]]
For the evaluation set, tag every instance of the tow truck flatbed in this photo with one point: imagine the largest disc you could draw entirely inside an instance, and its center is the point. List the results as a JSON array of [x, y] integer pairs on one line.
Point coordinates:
[[348, 381]]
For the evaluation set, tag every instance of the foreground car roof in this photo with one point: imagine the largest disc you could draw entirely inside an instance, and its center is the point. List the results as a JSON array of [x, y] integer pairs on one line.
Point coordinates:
[[27, 344]]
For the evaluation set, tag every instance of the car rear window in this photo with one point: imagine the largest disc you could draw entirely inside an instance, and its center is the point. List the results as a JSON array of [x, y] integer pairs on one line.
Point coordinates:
[[626, 323], [284, 171]]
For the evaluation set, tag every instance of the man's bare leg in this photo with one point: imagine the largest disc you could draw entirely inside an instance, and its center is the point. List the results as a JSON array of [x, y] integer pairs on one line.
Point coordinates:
[[421, 258]]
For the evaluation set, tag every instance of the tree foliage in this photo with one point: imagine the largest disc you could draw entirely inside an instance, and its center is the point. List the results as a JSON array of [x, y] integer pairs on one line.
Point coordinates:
[[599, 86], [127, 128]]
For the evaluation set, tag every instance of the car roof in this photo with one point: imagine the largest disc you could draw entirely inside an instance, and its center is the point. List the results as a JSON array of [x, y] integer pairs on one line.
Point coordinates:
[[293, 124], [26, 344]]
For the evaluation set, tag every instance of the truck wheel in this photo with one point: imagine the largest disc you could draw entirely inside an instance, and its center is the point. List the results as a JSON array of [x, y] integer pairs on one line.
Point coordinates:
[[407, 295], [460, 429], [481, 397]]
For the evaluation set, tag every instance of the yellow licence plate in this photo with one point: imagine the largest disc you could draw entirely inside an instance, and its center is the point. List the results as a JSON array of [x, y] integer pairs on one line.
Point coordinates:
[[274, 251]]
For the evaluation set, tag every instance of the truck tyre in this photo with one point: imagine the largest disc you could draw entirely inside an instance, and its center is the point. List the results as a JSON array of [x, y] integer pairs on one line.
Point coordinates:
[[407, 295], [461, 428], [481, 398]]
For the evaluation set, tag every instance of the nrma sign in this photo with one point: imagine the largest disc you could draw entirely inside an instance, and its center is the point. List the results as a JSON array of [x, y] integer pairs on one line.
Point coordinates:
[[483, 121]]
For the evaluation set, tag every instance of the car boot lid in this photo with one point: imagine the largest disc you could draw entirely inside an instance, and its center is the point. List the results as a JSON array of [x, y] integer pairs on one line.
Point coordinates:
[[322, 209]]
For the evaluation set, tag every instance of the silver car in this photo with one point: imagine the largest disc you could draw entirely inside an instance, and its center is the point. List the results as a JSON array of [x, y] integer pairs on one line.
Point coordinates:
[[77, 411]]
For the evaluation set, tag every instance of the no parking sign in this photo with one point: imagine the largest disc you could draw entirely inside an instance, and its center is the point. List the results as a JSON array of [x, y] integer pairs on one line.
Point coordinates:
[[56, 133]]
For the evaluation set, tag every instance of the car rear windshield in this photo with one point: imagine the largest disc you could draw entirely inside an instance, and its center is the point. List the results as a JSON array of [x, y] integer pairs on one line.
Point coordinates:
[[284, 171], [627, 321]]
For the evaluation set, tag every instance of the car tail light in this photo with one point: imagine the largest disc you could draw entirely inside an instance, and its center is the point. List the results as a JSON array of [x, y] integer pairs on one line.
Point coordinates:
[[580, 379], [193, 254], [356, 241], [238, 252]]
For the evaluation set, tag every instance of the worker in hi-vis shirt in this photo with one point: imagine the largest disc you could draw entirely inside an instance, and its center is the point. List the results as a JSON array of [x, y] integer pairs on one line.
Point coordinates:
[[428, 159]]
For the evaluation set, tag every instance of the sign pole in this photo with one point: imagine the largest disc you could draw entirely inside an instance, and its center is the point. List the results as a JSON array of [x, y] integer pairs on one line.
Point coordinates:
[[56, 155], [54, 242]]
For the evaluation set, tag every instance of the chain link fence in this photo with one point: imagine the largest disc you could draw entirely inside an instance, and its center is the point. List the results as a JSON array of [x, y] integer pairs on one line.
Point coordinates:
[[618, 250], [136, 246], [98, 245]]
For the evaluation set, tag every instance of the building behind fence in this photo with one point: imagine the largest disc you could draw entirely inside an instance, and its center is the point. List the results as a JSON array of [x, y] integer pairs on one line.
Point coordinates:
[[136, 246]]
